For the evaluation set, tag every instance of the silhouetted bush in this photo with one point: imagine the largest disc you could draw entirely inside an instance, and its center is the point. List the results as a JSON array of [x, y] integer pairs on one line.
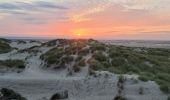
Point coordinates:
[[59, 96], [8, 94], [76, 68], [164, 88], [168, 98], [99, 56], [143, 78], [92, 73], [119, 98], [13, 64], [4, 46]]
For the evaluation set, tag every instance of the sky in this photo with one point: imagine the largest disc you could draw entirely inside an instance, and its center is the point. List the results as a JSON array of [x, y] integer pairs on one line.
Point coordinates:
[[98, 19]]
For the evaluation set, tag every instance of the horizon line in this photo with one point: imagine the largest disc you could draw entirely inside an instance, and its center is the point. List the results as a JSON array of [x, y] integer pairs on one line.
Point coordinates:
[[51, 38]]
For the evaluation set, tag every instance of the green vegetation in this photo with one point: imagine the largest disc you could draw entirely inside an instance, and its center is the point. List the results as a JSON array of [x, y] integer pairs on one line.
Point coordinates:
[[164, 88], [92, 73], [96, 46], [57, 56], [8, 94], [80, 61], [51, 43], [4, 46], [143, 78], [95, 65], [30, 50], [13, 64], [4, 40], [99, 56], [149, 63], [168, 98], [64, 53]]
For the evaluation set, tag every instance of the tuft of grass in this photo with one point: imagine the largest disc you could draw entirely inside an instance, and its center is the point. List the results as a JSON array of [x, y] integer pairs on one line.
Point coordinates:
[[32, 49], [164, 88], [76, 68], [121, 79], [119, 97], [168, 98], [143, 78], [20, 64], [149, 63], [4, 46], [96, 46], [4, 40], [92, 73], [99, 56], [95, 65]]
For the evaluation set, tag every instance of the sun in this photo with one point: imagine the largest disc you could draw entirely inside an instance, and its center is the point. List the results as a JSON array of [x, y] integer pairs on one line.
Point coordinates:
[[78, 34]]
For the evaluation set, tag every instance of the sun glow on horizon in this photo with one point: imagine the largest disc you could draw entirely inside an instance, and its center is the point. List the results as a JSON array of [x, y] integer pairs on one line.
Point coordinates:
[[99, 19], [78, 34]]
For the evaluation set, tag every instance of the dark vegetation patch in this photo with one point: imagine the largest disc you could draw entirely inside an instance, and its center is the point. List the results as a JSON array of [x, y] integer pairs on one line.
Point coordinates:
[[168, 98], [4, 46], [149, 63], [21, 42], [8, 94], [5, 40], [64, 53], [33, 49], [19, 64], [60, 96], [119, 97]]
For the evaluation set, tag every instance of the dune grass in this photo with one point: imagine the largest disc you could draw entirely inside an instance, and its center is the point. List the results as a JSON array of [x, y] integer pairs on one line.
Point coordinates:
[[19, 64], [149, 63], [4, 46]]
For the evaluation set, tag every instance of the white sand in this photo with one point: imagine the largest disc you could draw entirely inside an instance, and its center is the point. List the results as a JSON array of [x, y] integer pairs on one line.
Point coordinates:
[[37, 84]]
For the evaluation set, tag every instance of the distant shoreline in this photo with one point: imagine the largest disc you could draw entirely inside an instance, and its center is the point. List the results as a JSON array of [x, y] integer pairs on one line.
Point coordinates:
[[51, 38]]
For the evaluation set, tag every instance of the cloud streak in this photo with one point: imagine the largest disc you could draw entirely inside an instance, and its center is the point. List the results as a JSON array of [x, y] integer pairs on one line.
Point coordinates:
[[30, 11], [98, 17], [30, 6]]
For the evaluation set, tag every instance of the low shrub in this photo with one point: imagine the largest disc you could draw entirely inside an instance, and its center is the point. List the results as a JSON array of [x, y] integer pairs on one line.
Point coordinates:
[[119, 97], [92, 73], [143, 78], [97, 47], [84, 52], [96, 65], [8, 94], [76, 68], [4, 47], [81, 63], [121, 79], [13, 64], [99, 56], [164, 88], [59, 96], [118, 61], [168, 98]]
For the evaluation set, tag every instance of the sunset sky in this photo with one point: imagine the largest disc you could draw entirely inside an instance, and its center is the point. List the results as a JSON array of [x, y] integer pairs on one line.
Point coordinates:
[[99, 19]]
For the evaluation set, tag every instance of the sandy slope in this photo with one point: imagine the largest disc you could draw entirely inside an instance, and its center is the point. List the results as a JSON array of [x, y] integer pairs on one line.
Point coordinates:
[[38, 84], [100, 88]]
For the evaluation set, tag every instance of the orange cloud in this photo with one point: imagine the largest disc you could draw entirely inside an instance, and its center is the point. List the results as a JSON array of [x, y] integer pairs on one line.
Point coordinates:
[[92, 19]]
